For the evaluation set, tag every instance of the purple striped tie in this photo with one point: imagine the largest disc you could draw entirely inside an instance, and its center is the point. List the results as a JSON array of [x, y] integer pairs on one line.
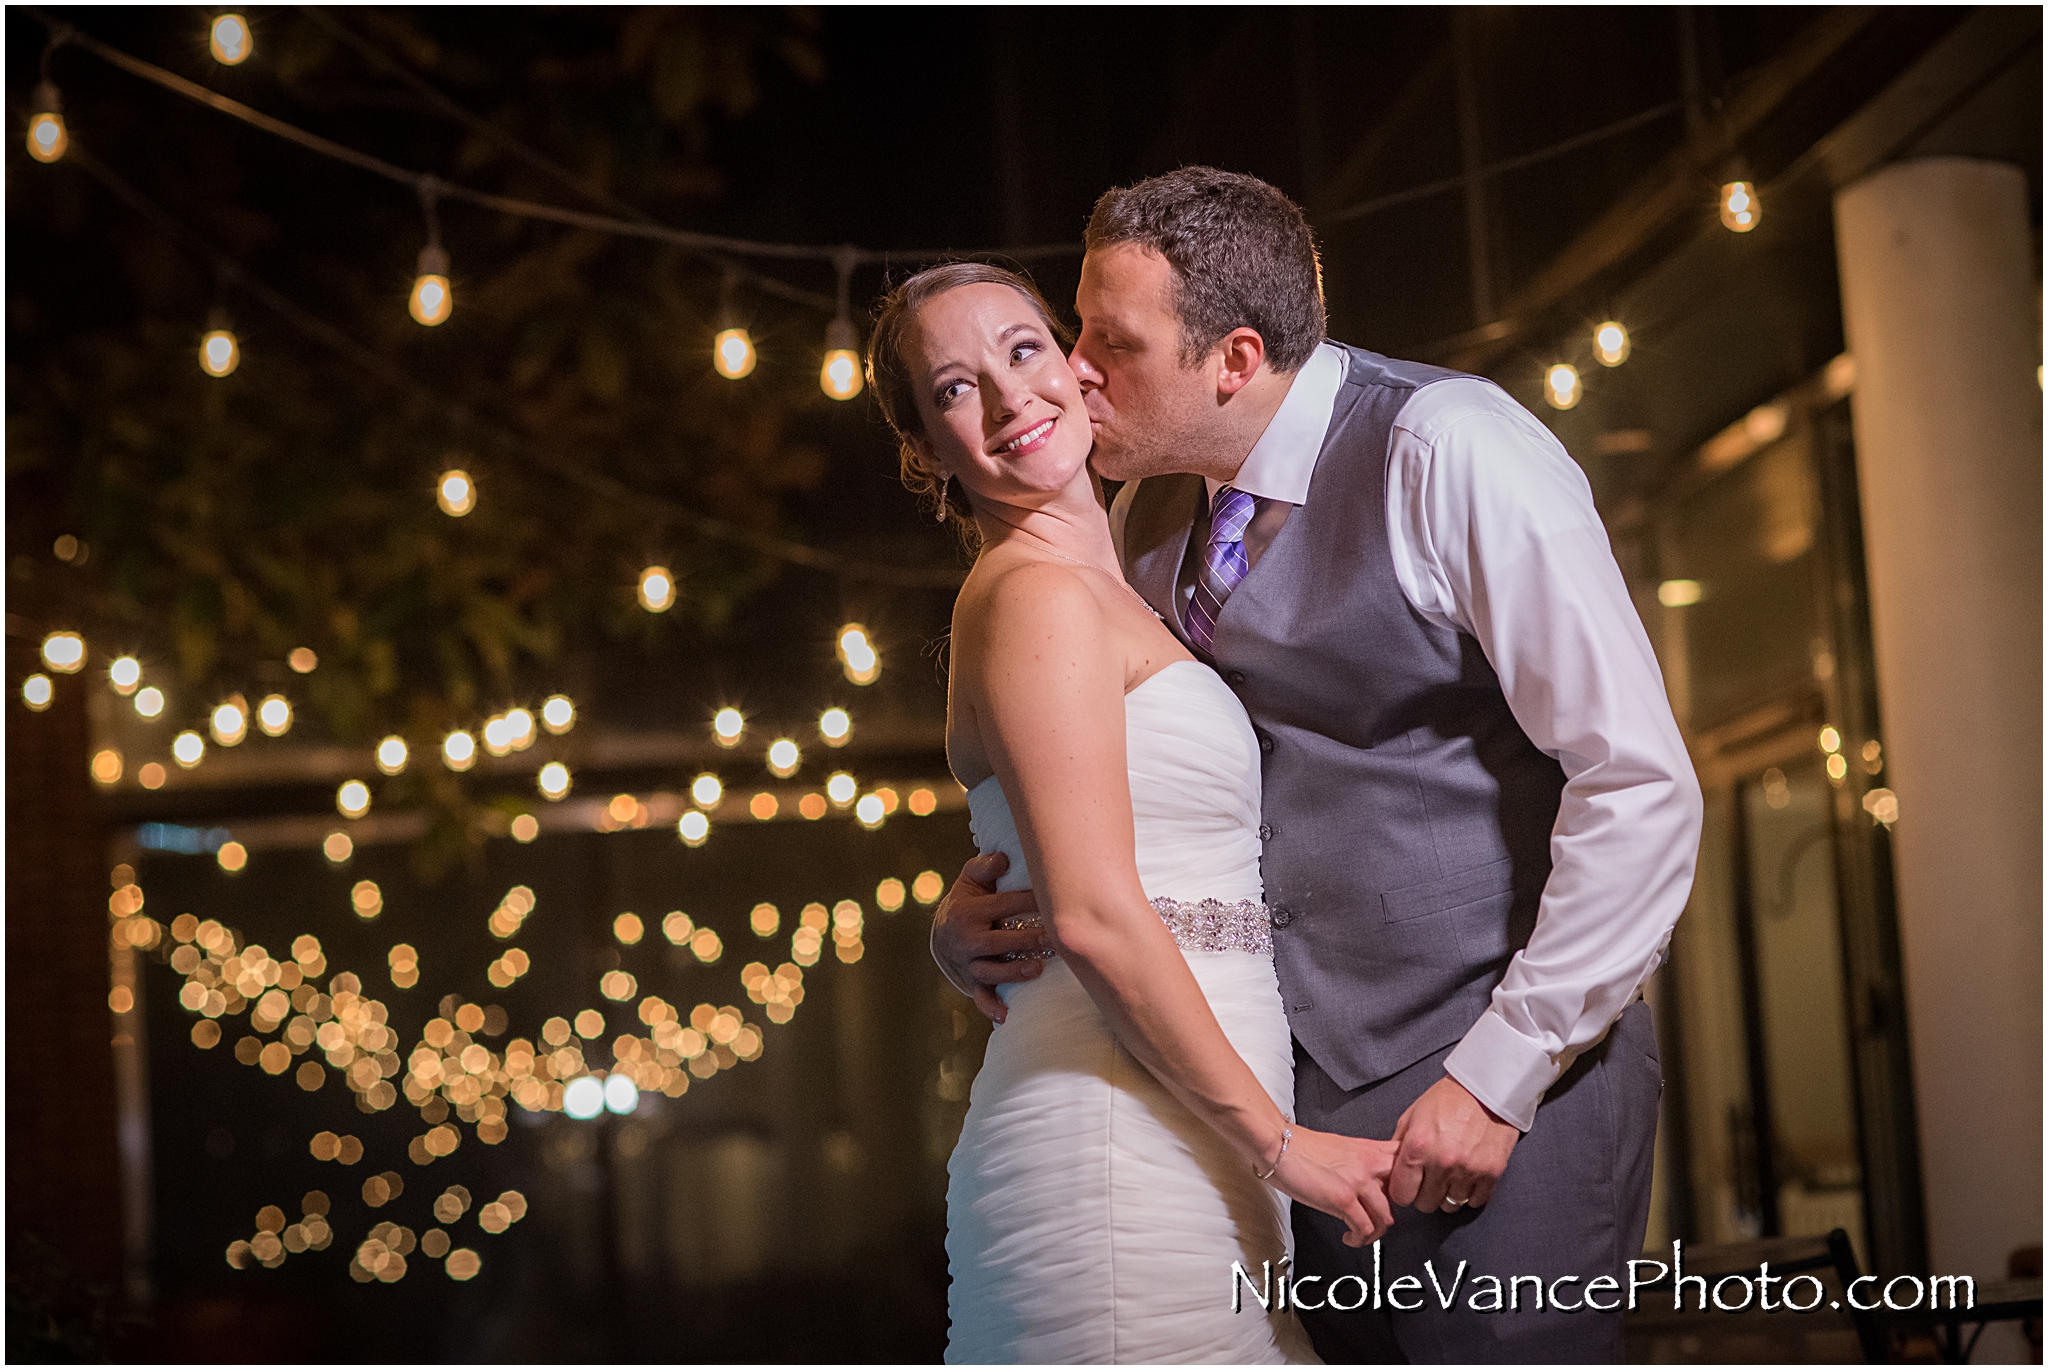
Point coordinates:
[[1223, 564]]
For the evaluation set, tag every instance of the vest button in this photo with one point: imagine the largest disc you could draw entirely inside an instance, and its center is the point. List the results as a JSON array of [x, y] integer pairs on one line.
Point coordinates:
[[1265, 832], [1266, 745], [1280, 917], [1234, 677]]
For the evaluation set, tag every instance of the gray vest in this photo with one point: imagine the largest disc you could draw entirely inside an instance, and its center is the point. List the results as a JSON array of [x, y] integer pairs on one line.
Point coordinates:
[[1408, 816]]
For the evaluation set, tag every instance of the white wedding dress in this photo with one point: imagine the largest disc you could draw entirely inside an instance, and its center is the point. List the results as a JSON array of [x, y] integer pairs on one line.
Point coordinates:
[[1091, 1217]]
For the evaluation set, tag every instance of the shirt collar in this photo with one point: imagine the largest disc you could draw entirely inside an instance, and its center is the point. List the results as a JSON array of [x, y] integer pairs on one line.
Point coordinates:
[[1283, 460]]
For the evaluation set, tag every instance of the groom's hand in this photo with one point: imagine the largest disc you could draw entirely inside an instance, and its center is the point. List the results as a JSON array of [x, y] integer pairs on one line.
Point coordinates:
[[970, 948], [1452, 1150]]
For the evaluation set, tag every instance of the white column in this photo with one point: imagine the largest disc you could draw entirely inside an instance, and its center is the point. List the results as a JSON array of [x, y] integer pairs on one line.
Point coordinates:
[[1941, 304]]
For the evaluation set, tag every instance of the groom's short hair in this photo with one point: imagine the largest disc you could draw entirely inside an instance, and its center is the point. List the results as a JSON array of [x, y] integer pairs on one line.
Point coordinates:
[[1241, 252]]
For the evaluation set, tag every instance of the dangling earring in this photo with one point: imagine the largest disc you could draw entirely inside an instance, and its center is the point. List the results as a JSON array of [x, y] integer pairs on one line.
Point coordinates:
[[945, 485]]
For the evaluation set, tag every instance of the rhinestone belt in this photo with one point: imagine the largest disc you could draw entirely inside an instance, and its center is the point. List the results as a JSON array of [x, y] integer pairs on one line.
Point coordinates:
[[1204, 925]]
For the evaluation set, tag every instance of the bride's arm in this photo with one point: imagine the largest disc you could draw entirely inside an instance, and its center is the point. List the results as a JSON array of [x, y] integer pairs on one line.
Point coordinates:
[[1044, 675]]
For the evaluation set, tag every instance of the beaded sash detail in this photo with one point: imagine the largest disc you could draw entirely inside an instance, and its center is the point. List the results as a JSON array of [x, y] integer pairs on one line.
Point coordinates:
[[1197, 925], [1212, 925]]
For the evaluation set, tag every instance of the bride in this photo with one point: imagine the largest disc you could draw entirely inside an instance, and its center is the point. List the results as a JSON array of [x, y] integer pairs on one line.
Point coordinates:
[[1128, 1137]]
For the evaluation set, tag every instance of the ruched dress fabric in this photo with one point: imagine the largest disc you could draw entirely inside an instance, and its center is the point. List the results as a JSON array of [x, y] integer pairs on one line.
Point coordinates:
[[1091, 1218]]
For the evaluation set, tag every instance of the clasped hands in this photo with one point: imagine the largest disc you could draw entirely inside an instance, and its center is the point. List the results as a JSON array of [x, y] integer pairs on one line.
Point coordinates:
[[1448, 1149]]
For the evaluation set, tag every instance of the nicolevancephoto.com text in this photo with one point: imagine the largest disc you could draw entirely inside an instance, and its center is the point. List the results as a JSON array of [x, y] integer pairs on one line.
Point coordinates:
[[1275, 1289]]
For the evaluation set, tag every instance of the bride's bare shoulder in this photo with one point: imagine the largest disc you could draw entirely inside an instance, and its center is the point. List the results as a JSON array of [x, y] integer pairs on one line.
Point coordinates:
[[1020, 599]]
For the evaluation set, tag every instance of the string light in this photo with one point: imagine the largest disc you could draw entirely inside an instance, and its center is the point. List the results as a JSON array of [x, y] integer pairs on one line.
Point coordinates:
[[497, 735], [784, 757], [869, 811], [857, 655], [47, 136], [456, 493], [187, 748], [693, 827], [231, 43], [1561, 385], [1610, 343], [553, 780], [303, 660], [1741, 210], [519, 729], [106, 766], [726, 727], [64, 652], [152, 776], [219, 353], [839, 377], [229, 723], [458, 750], [706, 790], [732, 353], [274, 715], [353, 799], [391, 755], [841, 788], [558, 714], [124, 675], [337, 847], [37, 692], [149, 701], [525, 828], [1677, 594], [835, 726], [657, 589]]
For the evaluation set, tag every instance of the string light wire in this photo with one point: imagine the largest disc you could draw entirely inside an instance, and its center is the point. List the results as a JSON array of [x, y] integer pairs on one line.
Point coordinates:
[[596, 482], [533, 209]]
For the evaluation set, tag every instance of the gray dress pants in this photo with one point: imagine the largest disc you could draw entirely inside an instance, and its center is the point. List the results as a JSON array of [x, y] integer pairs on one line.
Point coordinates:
[[1574, 1200]]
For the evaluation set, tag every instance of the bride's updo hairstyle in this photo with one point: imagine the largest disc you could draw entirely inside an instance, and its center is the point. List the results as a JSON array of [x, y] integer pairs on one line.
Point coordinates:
[[895, 390]]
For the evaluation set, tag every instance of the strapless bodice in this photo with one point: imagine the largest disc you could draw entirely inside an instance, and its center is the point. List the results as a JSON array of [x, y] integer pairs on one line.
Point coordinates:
[[1194, 769]]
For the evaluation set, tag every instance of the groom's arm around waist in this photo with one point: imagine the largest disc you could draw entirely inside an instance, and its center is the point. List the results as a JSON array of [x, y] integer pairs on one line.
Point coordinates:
[[1495, 534]]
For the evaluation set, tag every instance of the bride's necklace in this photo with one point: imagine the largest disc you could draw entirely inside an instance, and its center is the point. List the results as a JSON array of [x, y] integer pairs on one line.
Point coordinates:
[[1128, 587]]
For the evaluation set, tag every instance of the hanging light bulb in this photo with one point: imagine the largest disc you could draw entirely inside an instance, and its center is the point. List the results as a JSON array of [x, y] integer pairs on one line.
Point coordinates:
[[274, 715], [1561, 385], [706, 790], [432, 300], [857, 655], [726, 726], [456, 492], [784, 757], [392, 754], [458, 750], [231, 42], [840, 376], [47, 136], [1741, 210], [657, 589], [732, 353], [835, 726], [64, 651], [558, 714], [554, 780], [229, 722], [219, 353], [1610, 344], [125, 674]]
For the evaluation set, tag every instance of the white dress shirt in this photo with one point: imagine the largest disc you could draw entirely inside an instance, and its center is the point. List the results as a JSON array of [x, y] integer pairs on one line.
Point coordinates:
[[1494, 535]]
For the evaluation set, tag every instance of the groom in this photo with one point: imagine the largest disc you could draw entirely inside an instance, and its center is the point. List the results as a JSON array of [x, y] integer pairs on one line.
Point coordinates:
[[1480, 820]]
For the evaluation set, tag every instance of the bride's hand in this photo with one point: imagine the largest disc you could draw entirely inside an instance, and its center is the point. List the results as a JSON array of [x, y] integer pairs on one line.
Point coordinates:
[[1345, 1177]]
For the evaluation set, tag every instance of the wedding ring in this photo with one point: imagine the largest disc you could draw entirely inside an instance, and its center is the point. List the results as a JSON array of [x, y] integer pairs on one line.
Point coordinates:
[[1450, 1202]]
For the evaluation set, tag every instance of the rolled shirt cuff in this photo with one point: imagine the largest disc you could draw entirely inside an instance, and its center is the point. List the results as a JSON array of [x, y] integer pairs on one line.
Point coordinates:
[[1504, 1070]]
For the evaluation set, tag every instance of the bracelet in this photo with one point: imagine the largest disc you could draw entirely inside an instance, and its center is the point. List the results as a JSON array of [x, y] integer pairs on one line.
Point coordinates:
[[1286, 1136]]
